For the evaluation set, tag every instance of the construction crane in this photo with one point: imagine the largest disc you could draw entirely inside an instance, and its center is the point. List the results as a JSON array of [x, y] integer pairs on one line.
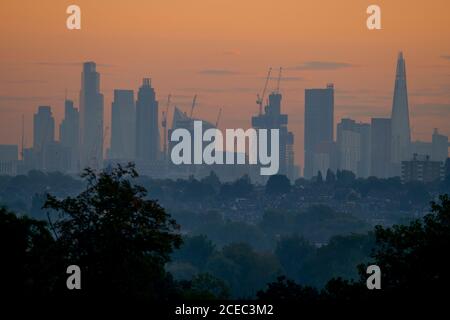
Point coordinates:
[[194, 101], [164, 125], [23, 137], [260, 98], [218, 117], [278, 81]]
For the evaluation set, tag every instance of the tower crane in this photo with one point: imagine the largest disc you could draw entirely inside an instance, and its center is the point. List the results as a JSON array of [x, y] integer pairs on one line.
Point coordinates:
[[218, 117], [164, 125], [260, 98], [278, 81], [194, 101]]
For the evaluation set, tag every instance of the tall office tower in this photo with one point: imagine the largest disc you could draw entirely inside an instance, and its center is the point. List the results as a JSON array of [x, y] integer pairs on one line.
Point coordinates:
[[123, 128], [349, 145], [439, 146], [380, 147], [272, 118], [43, 135], [9, 159], [421, 148], [147, 130], [69, 133], [91, 118], [353, 143], [43, 128], [400, 131], [325, 157], [319, 123]]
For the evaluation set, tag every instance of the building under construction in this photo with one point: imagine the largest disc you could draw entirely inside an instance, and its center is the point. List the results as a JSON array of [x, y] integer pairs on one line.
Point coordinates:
[[270, 117]]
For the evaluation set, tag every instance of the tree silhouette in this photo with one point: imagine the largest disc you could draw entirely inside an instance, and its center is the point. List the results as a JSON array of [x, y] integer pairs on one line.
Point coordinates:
[[119, 238], [278, 184], [30, 264]]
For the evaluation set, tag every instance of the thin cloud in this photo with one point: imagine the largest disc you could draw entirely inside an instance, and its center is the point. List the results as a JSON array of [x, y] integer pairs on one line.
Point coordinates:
[[321, 65], [218, 72], [446, 57], [220, 90], [7, 98], [69, 64], [287, 78], [21, 82], [431, 109], [231, 53]]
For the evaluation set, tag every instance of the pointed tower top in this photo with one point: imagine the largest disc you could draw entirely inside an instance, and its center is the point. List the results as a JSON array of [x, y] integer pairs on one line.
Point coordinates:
[[401, 69]]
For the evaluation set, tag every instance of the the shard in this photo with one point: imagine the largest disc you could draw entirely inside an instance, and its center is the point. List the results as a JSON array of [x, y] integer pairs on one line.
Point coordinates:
[[400, 131]]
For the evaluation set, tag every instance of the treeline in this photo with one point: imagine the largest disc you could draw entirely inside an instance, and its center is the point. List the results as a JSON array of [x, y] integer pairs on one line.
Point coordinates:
[[245, 271], [129, 248], [317, 224], [26, 193]]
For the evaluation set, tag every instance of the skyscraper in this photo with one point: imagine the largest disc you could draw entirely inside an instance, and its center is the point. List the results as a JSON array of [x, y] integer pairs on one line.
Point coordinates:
[[319, 123], [439, 147], [353, 142], [400, 131], [91, 118], [69, 131], [43, 135], [147, 130], [123, 129], [43, 128], [349, 145], [380, 147], [9, 159], [272, 118]]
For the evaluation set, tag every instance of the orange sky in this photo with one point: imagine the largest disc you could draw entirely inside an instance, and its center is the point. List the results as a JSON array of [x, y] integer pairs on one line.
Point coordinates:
[[221, 50]]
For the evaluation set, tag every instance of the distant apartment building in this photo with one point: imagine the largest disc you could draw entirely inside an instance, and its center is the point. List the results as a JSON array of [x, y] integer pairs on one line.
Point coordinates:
[[353, 143], [380, 147], [421, 148], [319, 125], [422, 169], [123, 126], [8, 159], [69, 131], [439, 146], [57, 158], [324, 158]]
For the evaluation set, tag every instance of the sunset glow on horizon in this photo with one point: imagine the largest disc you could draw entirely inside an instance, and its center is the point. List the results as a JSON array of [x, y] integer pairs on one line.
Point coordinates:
[[221, 51]]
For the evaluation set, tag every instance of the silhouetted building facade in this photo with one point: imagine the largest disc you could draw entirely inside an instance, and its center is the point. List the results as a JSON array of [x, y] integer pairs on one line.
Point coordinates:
[[319, 123], [69, 134], [439, 146], [380, 147], [272, 118], [91, 118], [123, 126], [43, 135], [147, 130], [353, 142], [325, 158], [57, 158], [400, 130], [8, 159], [423, 170]]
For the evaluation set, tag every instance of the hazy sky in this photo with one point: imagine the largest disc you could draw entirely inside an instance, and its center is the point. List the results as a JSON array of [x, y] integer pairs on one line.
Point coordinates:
[[221, 50]]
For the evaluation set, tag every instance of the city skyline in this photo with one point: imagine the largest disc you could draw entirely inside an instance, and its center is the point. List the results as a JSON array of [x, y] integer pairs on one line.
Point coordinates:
[[226, 66]]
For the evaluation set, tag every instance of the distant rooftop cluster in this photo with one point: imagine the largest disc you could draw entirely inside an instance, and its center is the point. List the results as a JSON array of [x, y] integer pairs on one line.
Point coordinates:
[[381, 148]]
